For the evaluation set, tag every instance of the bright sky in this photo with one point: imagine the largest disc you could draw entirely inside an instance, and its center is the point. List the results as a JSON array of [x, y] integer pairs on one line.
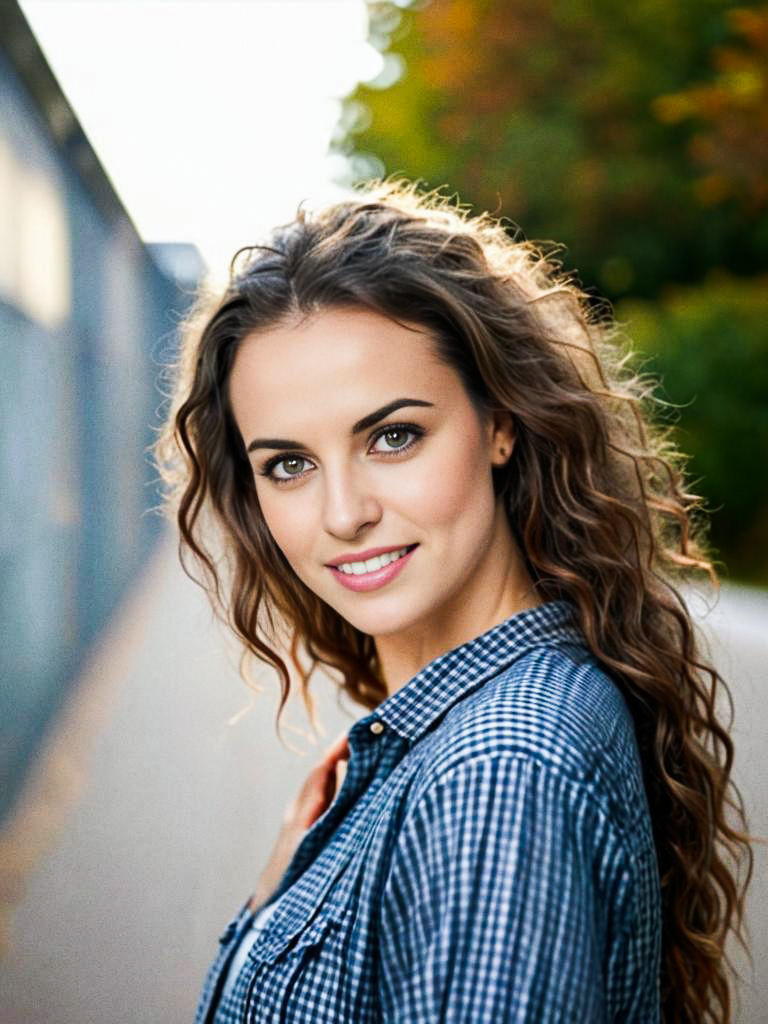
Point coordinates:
[[211, 117]]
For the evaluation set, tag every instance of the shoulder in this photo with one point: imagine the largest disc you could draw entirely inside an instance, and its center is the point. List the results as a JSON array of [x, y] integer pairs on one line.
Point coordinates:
[[556, 708], [521, 805]]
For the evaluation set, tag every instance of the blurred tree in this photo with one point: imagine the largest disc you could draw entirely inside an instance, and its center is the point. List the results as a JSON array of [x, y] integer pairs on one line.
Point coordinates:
[[709, 345], [636, 134], [730, 143]]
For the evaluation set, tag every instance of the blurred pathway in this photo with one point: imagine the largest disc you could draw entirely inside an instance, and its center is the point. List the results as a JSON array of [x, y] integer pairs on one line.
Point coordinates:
[[175, 817], [178, 809], [737, 630]]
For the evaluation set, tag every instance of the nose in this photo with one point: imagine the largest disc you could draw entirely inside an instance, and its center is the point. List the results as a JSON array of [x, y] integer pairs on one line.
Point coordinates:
[[349, 502]]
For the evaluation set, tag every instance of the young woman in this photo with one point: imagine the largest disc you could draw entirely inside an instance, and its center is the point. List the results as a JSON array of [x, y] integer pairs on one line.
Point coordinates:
[[402, 449]]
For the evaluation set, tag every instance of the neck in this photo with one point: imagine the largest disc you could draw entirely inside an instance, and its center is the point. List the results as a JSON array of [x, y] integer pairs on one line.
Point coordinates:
[[499, 587]]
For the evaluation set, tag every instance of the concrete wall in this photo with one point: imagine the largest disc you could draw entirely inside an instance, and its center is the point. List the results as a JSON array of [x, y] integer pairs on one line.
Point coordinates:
[[85, 315]]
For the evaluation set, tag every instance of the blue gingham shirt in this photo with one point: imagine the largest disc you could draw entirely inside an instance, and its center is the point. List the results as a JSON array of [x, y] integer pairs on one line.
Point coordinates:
[[488, 857]]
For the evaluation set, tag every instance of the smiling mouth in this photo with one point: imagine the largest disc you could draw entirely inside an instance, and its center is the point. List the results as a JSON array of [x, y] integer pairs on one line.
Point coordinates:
[[373, 564]]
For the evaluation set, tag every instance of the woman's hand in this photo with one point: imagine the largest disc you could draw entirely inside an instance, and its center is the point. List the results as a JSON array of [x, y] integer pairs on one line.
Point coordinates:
[[314, 798]]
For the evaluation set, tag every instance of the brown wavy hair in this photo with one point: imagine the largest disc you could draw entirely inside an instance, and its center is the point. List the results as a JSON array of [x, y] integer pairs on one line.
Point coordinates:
[[594, 494]]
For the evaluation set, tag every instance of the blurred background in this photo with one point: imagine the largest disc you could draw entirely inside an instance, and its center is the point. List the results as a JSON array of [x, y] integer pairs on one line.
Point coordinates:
[[142, 142]]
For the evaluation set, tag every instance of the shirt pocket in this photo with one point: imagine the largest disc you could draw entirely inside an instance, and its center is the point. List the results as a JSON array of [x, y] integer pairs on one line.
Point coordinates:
[[292, 973], [231, 930], [296, 926]]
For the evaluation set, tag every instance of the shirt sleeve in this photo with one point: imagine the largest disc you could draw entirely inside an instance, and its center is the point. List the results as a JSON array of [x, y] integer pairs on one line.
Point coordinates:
[[495, 905]]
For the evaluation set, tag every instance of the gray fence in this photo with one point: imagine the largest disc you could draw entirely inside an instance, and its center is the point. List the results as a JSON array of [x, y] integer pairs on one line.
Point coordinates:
[[85, 313]]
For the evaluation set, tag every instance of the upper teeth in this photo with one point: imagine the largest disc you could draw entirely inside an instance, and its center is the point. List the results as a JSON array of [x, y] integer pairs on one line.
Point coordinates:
[[371, 564]]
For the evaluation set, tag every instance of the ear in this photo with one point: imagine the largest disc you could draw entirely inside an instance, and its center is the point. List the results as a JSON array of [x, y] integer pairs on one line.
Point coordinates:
[[502, 438]]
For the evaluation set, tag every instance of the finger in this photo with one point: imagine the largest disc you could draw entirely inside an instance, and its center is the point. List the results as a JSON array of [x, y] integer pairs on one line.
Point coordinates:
[[309, 807], [317, 793], [326, 781], [330, 788], [320, 785], [338, 750]]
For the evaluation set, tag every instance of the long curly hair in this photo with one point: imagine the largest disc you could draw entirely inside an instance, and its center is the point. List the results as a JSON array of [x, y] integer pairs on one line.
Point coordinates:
[[594, 494]]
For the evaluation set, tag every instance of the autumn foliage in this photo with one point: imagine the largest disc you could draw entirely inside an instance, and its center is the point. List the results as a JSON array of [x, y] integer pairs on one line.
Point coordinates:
[[636, 136]]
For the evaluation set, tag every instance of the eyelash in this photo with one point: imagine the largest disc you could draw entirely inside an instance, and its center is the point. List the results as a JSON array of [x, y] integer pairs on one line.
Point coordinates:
[[409, 428]]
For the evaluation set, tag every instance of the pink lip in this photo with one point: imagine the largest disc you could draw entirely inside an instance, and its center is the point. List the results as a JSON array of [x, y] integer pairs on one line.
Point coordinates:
[[362, 556], [375, 579]]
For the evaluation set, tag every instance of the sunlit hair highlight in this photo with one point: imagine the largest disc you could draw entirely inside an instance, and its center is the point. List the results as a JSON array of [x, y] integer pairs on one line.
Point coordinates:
[[594, 493]]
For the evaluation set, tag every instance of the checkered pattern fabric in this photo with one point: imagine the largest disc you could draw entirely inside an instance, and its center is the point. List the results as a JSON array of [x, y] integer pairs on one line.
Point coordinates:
[[488, 858]]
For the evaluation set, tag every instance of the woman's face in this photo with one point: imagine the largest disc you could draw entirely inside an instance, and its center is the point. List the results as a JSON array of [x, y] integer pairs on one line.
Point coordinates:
[[363, 442]]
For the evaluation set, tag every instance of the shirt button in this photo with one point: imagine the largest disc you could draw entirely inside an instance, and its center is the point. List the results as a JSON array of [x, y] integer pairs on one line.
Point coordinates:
[[377, 727]]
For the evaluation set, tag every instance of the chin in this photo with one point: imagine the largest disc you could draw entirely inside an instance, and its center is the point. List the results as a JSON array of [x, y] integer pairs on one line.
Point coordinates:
[[379, 621]]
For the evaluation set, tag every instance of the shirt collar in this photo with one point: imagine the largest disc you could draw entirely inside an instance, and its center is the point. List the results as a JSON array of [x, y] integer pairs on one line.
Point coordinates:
[[449, 677]]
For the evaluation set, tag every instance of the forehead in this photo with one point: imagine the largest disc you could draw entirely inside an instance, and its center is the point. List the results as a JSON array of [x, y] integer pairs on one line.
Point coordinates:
[[343, 362]]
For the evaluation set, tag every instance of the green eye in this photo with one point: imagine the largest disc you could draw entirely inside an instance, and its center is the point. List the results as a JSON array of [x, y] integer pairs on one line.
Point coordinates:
[[285, 468], [396, 438]]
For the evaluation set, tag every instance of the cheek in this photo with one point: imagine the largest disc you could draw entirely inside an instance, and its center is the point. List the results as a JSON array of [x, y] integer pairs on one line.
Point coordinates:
[[287, 521], [454, 488]]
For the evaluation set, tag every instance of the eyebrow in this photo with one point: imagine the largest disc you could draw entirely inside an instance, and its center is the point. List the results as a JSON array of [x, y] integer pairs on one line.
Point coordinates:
[[367, 421]]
